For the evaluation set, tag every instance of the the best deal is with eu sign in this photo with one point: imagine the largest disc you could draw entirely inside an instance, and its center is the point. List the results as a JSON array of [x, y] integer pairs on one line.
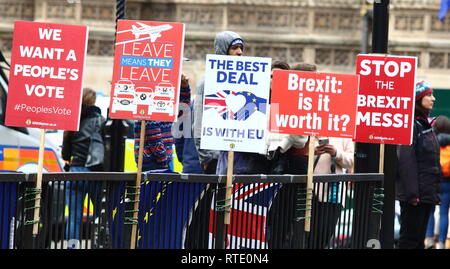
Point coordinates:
[[45, 81], [235, 103]]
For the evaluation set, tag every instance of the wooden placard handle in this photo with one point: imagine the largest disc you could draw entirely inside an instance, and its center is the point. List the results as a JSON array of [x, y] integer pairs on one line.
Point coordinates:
[[138, 185], [37, 199], [229, 186], [309, 183], [381, 164]]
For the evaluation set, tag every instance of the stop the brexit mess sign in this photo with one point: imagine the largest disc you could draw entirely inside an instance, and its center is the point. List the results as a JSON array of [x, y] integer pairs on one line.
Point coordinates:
[[309, 103], [146, 75], [386, 99], [45, 80]]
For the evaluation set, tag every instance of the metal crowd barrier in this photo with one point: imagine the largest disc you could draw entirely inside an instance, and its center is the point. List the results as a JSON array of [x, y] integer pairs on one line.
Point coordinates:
[[176, 211]]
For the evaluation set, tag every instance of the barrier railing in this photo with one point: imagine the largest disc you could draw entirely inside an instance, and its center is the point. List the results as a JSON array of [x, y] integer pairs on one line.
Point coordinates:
[[95, 210]]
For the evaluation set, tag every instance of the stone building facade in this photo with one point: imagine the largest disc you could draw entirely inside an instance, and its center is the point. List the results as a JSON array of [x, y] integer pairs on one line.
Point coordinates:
[[326, 32]]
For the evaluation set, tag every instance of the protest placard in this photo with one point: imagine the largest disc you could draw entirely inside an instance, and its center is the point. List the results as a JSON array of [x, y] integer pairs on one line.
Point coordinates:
[[313, 104], [317, 104], [386, 99], [235, 103], [45, 80], [146, 80], [147, 70], [45, 83]]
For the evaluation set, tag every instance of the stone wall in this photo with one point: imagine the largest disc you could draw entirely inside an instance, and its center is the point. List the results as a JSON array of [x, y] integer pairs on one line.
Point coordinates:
[[325, 32]]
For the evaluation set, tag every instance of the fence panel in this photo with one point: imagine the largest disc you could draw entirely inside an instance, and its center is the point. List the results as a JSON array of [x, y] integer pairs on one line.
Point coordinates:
[[94, 210], [8, 194]]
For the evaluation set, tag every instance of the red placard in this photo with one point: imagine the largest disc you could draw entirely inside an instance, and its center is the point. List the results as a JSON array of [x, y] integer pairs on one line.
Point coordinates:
[[308, 103], [147, 70], [45, 79], [386, 99]]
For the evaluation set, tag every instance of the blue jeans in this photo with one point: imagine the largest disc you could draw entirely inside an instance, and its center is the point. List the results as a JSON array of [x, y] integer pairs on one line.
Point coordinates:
[[443, 214], [74, 200]]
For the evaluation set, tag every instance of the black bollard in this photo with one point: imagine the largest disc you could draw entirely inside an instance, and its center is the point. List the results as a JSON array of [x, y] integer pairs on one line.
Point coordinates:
[[367, 154]]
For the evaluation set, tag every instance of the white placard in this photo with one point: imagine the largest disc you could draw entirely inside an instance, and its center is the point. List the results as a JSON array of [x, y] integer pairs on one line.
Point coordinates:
[[235, 103]]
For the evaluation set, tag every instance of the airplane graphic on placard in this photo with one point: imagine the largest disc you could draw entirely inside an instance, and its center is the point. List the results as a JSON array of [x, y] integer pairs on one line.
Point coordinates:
[[153, 32]]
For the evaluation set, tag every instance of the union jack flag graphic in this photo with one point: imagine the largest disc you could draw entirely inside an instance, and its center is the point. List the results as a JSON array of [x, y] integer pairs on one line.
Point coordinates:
[[249, 207], [218, 101], [252, 104]]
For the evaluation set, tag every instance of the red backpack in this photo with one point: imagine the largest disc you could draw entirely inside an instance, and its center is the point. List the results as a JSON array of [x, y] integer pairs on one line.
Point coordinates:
[[445, 161]]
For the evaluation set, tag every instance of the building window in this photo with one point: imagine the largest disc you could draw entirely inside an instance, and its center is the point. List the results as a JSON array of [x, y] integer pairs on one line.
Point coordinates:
[[437, 60], [408, 53], [335, 57], [409, 23]]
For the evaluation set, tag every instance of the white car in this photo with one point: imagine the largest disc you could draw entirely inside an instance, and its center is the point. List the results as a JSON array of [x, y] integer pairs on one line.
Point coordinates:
[[123, 87], [124, 102], [160, 105], [144, 96], [165, 90]]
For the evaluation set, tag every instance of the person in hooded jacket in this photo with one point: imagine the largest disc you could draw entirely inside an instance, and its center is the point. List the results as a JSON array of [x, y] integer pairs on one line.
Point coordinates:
[[418, 173], [244, 162], [225, 43], [84, 151]]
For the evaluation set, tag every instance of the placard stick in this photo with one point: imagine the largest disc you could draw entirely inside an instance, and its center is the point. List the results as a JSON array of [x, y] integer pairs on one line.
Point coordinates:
[[37, 200], [309, 183], [381, 164], [229, 185], [138, 186]]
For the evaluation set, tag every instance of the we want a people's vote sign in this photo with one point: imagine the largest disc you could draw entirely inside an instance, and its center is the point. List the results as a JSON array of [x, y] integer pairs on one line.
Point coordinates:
[[308, 103], [386, 99], [235, 106], [147, 70], [46, 75]]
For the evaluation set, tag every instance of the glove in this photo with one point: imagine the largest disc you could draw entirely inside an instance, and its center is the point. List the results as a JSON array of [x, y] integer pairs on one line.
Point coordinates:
[[279, 162], [66, 167]]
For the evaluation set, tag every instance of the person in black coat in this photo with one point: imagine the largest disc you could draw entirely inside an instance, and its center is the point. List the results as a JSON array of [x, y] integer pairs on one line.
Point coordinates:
[[418, 173], [84, 151]]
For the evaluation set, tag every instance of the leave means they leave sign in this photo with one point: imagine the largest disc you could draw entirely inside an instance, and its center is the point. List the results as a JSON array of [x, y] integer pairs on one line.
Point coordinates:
[[46, 75], [147, 70], [386, 99]]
